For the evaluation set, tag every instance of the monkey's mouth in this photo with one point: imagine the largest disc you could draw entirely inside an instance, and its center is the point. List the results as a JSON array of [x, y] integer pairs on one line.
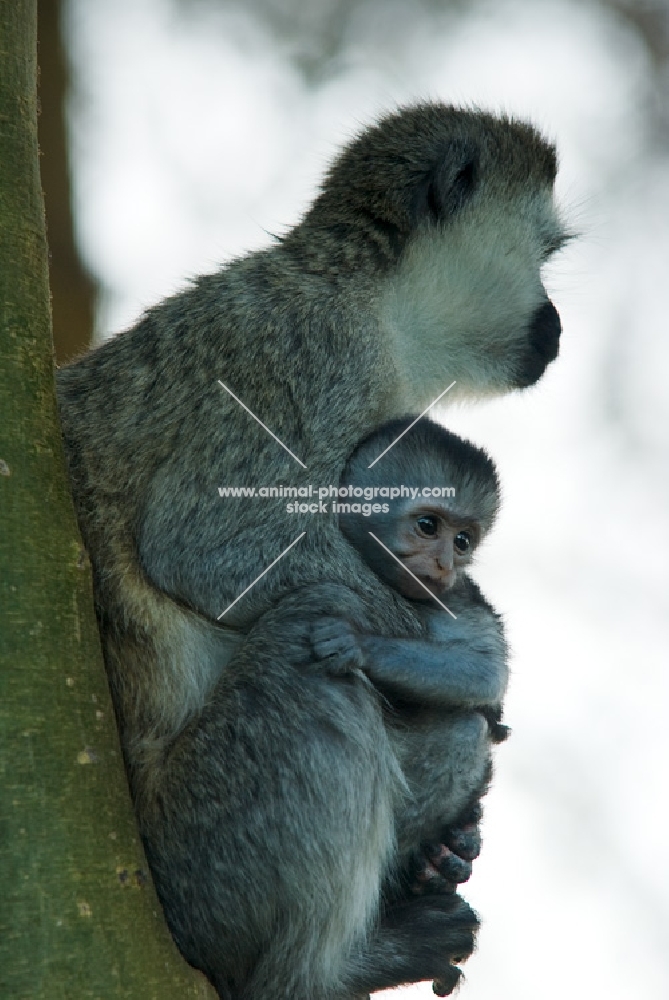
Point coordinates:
[[429, 586]]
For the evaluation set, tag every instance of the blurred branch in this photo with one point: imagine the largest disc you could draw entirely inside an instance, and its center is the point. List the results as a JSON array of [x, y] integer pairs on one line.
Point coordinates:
[[650, 20], [317, 32]]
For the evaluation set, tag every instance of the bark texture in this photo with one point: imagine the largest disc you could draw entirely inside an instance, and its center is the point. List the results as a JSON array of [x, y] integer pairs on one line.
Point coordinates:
[[79, 916]]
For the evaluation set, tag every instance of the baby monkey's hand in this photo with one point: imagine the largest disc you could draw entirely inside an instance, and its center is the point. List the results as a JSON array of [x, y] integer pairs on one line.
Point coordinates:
[[336, 644]]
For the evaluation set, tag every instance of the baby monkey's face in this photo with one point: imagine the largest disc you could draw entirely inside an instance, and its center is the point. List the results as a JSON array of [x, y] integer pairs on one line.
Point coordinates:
[[434, 544]]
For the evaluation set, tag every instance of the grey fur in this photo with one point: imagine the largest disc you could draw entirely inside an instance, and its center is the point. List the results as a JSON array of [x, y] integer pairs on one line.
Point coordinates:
[[419, 263]]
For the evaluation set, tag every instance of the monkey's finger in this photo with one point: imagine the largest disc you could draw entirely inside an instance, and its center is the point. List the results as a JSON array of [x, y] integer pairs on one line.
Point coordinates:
[[334, 639], [465, 842], [333, 644], [341, 646], [425, 876], [341, 663], [452, 868], [499, 732], [330, 628]]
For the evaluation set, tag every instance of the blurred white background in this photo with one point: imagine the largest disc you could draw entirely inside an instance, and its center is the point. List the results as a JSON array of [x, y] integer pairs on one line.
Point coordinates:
[[198, 129]]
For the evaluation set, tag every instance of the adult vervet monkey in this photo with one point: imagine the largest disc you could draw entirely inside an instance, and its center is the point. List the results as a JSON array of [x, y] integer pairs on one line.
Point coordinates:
[[418, 264]]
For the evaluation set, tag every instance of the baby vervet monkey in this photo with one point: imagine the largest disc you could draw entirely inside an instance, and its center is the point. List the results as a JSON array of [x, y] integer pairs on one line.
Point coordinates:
[[421, 547]]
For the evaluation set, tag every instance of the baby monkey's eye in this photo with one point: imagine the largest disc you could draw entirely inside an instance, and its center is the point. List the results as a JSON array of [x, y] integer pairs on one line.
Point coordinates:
[[428, 525], [462, 541]]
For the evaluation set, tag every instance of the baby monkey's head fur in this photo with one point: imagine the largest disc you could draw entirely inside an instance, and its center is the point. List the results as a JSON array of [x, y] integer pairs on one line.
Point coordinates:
[[450, 213], [448, 500]]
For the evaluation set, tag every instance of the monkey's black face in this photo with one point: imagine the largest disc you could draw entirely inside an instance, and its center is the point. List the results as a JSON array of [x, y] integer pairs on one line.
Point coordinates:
[[544, 341]]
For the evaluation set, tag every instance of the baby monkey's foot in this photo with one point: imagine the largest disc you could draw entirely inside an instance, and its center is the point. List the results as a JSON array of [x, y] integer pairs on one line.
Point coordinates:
[[441, 866], [436, 869], [335, 643]]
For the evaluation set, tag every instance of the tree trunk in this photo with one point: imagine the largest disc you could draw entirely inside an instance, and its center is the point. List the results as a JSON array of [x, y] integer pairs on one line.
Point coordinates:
[[78, 914], [72, 287]]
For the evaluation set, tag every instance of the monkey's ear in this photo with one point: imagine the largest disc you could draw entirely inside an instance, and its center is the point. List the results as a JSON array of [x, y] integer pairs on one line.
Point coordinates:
[[450, 183]]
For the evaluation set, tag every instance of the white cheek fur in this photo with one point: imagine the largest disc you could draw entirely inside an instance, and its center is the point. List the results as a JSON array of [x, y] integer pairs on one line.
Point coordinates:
[[462, 297]]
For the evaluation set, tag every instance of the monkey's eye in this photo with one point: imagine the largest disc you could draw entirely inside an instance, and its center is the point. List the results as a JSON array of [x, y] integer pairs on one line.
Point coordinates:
[[428, 525], [462, 542]]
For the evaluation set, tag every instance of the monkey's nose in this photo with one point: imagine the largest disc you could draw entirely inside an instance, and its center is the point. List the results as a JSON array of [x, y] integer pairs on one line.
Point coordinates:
[[544, 342], [545, 331]]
